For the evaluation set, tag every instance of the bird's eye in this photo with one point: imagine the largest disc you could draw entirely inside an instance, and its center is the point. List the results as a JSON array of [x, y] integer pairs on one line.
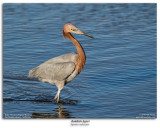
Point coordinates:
[[72, 29]]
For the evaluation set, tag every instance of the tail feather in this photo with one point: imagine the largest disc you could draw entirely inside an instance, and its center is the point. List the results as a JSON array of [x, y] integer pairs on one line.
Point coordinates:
[[33, 73]]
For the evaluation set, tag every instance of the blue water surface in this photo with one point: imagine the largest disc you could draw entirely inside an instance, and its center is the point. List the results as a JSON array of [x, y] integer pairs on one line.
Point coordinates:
[[119, 78]]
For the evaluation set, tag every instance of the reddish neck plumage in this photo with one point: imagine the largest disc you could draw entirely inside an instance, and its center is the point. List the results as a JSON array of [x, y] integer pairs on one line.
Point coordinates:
[[81, 54]]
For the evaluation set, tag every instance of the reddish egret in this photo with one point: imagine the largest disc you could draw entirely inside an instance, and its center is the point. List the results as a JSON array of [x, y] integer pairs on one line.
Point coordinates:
[[62, 69]]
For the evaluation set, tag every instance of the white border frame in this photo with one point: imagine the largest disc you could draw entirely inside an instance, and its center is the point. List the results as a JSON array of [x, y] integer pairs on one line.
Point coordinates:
[[111, 123]]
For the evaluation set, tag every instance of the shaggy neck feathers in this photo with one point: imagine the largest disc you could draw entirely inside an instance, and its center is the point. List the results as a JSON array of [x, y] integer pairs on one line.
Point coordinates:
[[80, 62]]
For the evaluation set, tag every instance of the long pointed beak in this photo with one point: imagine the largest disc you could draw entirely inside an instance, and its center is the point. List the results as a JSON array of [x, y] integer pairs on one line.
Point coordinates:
[[87, 35], [83, 33]]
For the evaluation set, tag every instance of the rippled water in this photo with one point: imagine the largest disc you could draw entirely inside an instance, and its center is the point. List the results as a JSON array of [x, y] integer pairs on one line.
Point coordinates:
[[119, 78]]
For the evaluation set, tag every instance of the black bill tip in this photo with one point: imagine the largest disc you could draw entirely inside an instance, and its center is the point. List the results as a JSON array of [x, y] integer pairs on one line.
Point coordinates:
[[88, 35]]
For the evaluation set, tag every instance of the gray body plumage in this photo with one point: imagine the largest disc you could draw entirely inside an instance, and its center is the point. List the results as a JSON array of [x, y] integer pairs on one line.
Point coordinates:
[[56, 69], [59, 70]]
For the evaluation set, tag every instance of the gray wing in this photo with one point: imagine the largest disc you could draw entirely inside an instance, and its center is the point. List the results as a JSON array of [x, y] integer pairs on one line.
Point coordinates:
[[70, 57], [50, 72]]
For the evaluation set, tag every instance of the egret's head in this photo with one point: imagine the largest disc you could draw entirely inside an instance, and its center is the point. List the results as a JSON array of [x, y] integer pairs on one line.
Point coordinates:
[[70, 28]]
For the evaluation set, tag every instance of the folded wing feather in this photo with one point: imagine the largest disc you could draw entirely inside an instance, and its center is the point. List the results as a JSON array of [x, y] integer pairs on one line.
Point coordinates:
[[51, 72], [58, 68]]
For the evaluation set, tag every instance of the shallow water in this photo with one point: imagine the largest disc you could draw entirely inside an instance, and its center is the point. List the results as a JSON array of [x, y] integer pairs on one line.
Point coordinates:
[[119, 78]]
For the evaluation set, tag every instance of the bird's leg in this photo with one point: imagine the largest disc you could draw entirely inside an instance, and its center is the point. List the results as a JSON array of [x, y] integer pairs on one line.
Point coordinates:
[[57, 95], [60, 86]]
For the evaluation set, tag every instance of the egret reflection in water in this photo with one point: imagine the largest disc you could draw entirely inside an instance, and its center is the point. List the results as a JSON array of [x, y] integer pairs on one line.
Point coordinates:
[[59, 112]]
